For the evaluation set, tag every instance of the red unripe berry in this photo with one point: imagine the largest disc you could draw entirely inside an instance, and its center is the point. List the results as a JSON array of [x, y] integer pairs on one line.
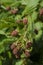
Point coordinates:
[[13, 46], [29, 44], [25, 20], [41, 11], [14, 33], [15, 51], [27, 53], [14, 11]]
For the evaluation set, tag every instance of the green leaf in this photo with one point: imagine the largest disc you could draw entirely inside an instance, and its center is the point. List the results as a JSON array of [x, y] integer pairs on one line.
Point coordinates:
[[30, 3], [41, 4], [19, 62], [34, 15], [38, 25], [2, 32], [5, 1], [37, 37], [30, 7], [0, 62], [2, 49]]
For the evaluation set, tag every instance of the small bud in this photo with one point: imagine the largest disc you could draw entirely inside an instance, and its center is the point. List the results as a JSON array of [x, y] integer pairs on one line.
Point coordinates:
[[19, 44], [14, 33], [8, 8], [41, 11], [19, 21], [13, 46], [25, 20], [14, 11]]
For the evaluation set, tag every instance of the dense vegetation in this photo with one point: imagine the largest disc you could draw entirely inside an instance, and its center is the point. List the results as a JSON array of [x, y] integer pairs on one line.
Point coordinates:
[[21, 32]]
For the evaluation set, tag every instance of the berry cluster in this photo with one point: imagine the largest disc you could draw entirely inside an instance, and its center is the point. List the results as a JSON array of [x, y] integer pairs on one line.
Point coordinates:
[[17, 49]]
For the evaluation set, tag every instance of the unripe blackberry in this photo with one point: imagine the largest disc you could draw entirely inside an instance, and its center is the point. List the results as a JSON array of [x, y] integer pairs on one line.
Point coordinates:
[[15, 51], [25, 20], [17, 56], [41, 11], [27, 53], [14, 11], [13, 46], [14, 33], [29, 44]]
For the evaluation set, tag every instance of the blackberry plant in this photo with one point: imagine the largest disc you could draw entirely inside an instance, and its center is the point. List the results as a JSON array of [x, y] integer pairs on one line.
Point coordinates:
[[21, 32]]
